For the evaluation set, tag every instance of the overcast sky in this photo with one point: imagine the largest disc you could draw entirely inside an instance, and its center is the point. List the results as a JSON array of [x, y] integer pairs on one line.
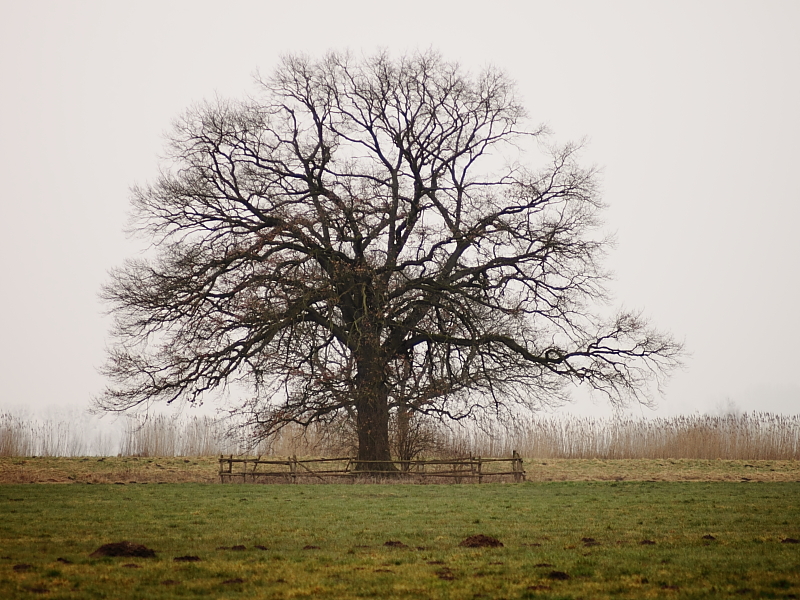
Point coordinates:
[[691, 109]]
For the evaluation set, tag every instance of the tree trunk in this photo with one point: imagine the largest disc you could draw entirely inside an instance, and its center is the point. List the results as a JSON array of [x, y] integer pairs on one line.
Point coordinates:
[[404, 441], [372, 421]]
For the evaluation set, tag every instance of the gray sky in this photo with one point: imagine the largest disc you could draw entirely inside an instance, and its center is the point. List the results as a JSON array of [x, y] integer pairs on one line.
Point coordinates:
[[692, 109]]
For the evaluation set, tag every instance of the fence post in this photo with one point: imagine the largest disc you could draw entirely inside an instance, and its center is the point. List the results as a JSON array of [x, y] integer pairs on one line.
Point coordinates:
[[516, 466], [221, 478], [293, 468], [480, 470]]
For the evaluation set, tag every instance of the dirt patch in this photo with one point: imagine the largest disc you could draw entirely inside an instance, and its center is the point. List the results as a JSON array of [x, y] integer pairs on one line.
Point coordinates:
[[446, 574], [232, 581], [481, 541], [187, 559], [709, 537], [21, 568], [383, 571], [543, 565], [790, 541], [647, 543], [260, 547], [436, 562], [239, 547], [394, 544], [123, 549], [65, 561], [170, 582], [310, 547], [38, 590], [558, 575], [587, 541]]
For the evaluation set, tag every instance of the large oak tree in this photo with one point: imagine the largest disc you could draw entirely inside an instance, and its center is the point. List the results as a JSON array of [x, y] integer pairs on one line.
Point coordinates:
[[367, 236]]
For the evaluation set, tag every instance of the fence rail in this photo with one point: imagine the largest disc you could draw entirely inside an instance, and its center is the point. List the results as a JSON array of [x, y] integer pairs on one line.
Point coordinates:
[[292, 470]]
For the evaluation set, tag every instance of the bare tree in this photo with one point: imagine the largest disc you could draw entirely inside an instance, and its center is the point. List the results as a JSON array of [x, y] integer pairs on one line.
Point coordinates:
[[366, 235]]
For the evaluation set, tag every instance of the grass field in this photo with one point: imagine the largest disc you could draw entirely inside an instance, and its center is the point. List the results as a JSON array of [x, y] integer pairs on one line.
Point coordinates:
[[579, 539], [127, 469]]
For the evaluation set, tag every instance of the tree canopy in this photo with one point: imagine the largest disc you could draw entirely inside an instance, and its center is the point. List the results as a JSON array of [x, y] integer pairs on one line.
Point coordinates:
[[366, 236]]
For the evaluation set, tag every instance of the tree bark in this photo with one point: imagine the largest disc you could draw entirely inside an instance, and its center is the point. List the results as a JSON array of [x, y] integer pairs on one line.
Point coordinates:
[[403, 435], [372, 408]]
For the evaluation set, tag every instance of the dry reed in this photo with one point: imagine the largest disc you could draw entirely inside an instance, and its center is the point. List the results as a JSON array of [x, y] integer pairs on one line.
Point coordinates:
[[751, 436], [21, 437]]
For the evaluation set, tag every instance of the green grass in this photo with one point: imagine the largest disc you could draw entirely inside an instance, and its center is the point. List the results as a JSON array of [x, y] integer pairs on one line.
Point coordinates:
[[539, 523]]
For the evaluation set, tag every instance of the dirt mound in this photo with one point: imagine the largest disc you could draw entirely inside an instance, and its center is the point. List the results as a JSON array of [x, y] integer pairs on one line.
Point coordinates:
[[310, 547], [790, 541], [186, 559], [239, 547], [22, 567], [647, 543], [588, 541], [233, 581], [123, 549], [481, 541], [395, 544], [558, 575]]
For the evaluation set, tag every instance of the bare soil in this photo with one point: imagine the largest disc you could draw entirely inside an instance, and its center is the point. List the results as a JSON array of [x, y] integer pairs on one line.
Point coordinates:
[[481, 541], [124, 548]]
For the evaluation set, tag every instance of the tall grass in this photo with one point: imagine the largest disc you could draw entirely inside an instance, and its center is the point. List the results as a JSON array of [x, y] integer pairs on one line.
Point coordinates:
[[750, 436], [205, 436], [168, 436], [24, 437]]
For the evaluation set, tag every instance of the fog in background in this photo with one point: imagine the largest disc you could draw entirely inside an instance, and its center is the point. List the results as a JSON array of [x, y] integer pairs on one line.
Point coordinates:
[[691, 109]]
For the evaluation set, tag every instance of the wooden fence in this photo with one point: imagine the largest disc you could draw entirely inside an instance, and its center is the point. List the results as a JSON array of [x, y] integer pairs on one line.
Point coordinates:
[[292, 470]]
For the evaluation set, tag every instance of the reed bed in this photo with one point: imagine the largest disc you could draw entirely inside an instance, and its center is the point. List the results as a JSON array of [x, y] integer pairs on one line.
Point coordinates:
[[33, 437], [749, 436], [169, 436]]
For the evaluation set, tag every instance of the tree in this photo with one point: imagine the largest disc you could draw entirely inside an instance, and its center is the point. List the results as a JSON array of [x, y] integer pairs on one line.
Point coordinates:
[[369, 236]]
